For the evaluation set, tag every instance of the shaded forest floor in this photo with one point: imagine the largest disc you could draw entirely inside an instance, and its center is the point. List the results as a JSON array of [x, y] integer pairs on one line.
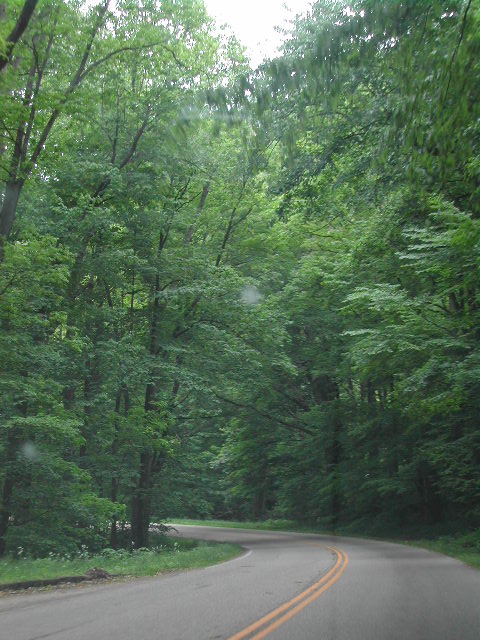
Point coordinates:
[[464, 547], [169, 554]]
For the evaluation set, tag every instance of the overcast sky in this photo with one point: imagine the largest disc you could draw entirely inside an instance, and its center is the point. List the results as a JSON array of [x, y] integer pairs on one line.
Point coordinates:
[[253, 22]]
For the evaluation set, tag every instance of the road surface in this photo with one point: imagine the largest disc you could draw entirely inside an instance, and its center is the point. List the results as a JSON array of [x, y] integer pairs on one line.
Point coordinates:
[[285, 587]]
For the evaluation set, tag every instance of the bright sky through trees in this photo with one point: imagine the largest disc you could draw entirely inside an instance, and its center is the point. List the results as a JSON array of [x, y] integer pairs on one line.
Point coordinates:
[[254, 22]]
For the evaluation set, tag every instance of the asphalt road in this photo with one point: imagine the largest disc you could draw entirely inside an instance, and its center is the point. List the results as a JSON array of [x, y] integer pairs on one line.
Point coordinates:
[[285, 587]]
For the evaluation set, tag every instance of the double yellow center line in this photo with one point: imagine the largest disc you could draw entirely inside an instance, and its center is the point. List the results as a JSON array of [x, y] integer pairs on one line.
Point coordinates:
[[264, 626]]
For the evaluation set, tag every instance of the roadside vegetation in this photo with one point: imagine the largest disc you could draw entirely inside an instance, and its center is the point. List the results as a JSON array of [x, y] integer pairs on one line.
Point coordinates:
[[166, 554], [464, 547], [237, 293]]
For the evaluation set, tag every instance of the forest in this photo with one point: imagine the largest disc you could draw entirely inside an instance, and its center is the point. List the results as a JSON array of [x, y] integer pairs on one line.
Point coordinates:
[[237, 293]]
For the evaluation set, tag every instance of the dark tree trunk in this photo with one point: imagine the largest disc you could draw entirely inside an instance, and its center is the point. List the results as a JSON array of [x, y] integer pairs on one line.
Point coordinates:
[[335, 462], [141, 503], [9, 207], [114, 449], [7, 491], [141, 498], [260, 502], [114, 487], [325, 389]]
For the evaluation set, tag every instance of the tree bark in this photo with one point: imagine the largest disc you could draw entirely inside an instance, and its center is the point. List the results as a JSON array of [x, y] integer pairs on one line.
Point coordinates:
[[114, 487], [141, 502], [7, 490], [335, 496], [9, 207], [141, 497]]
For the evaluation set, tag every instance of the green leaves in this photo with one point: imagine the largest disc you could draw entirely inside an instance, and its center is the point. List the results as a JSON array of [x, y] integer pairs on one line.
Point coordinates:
[[235, 293]]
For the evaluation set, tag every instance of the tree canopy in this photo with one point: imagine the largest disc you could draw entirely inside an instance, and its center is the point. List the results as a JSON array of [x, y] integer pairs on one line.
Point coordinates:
[[233, 292]]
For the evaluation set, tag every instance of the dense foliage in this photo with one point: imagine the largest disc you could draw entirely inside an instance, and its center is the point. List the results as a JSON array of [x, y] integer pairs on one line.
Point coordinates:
[[238, 293]]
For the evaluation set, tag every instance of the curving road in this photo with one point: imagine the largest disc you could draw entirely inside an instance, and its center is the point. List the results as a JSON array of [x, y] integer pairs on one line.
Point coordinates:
[[285, 587]]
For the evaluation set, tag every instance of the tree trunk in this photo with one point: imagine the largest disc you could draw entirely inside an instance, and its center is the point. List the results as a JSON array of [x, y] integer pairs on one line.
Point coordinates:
[[141, 498], [7, 491], [9, 207], [114, 449], [114, 487], [141, 502], [335, 462], [325, 389], [260, 502]]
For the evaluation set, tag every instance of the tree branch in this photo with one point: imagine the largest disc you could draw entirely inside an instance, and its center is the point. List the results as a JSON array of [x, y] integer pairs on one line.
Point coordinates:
[[17, 31], [269, 416], [457, 47]]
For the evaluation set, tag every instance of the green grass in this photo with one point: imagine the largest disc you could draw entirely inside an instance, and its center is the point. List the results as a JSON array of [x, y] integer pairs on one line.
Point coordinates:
[[464, 547], [172, 556]]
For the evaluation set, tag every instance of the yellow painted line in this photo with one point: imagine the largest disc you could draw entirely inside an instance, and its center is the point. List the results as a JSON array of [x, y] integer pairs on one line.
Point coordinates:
[[304, 598], [302, 605]]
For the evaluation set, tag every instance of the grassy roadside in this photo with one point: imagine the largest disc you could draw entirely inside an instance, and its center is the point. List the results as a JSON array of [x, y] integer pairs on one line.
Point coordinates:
[[455, 547], [464, 547], [265, 525], [172, 555]]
